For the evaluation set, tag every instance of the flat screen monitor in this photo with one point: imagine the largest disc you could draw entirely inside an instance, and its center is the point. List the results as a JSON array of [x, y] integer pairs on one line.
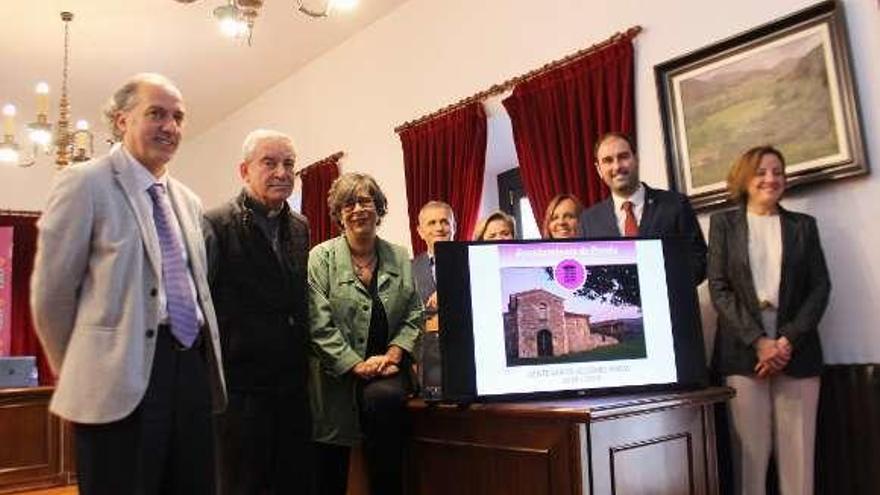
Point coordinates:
[[531, 318]]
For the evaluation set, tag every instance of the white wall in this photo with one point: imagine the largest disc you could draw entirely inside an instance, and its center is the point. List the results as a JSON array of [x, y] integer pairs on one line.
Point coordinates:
[[429, 53]]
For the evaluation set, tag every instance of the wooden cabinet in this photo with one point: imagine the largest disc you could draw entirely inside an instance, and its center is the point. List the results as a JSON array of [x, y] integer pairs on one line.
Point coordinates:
[[35, 446], [658, 443]]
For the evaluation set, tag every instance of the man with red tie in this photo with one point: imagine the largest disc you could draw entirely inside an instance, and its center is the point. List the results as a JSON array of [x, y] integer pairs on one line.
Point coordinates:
[[634, 209]]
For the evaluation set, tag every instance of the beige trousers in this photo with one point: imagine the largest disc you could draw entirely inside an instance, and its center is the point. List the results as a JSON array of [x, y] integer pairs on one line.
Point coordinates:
[[778, 415]]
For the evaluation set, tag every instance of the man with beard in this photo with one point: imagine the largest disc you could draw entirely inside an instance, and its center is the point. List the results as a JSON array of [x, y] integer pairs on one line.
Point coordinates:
[[257, 253], [634, 208]]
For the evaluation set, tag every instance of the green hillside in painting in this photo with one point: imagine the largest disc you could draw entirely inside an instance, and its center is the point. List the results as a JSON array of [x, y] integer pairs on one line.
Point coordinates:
[[788, 105]]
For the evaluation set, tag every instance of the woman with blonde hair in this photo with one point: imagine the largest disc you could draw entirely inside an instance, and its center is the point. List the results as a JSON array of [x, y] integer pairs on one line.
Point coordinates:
[[497, 226], [562, 218], [769, 284]]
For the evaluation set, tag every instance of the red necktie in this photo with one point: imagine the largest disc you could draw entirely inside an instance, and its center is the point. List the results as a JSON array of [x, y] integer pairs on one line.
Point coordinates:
[[630, 227]]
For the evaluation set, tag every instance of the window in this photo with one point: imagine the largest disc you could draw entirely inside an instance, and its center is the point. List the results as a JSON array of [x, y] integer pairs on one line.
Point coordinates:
[[542, 311], [512, 200]]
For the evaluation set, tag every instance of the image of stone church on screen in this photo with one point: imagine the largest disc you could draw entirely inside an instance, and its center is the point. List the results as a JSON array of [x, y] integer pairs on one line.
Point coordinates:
[[537, 325]]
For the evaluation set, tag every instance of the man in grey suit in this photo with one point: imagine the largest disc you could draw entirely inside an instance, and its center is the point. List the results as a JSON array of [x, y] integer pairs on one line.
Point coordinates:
[[120, 300], [436, 223], [634, 209]]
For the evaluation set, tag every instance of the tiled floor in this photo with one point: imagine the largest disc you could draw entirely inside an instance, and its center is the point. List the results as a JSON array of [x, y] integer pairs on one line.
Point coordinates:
[[356, 476]]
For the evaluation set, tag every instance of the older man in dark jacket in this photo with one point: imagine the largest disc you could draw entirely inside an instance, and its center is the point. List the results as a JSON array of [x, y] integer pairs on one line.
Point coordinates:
[[258, 252]]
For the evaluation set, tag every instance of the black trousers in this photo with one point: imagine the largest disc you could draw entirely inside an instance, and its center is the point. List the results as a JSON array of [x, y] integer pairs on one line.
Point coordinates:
[[264, 444], [166, 445], [385, 426]]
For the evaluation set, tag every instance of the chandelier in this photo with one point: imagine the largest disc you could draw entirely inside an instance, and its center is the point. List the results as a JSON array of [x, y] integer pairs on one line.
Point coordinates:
[[69, 145], [237, 17]]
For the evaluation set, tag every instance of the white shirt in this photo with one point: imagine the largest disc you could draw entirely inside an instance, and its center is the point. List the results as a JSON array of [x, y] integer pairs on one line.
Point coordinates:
[[765, 255], [637, 199], [145, 181]]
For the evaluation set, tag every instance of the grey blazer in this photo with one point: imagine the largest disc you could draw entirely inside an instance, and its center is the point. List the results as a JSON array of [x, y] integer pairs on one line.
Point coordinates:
[[424, 278], [803, 293], [666, 213], [93, 291]]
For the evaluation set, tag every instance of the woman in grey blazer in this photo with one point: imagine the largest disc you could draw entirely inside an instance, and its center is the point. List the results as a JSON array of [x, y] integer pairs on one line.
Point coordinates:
[[769, 284]]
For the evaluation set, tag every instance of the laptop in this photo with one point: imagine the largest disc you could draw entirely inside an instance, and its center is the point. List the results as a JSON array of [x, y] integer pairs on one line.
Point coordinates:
[[18, 371]]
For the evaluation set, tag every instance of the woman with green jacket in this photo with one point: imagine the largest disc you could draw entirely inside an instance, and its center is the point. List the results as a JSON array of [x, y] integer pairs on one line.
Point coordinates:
[[364, 321]]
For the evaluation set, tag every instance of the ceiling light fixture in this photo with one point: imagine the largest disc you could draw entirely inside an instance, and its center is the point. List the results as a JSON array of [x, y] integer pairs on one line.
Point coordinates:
[[236, 18], [69, 145]]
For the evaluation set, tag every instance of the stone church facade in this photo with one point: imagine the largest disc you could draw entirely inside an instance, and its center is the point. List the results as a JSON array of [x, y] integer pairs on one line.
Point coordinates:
[[537, 325]]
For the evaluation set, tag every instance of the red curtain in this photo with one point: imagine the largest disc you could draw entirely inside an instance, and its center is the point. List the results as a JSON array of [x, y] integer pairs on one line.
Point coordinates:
[[24, 341], [444, 159], [316, 180], [557, 116]]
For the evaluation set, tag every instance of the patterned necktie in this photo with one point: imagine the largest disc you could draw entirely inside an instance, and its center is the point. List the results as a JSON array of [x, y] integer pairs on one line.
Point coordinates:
[[175, 274], [630, 228]]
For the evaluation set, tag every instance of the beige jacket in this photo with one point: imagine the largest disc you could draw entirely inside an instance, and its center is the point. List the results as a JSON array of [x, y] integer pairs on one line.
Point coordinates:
[[94, 287]]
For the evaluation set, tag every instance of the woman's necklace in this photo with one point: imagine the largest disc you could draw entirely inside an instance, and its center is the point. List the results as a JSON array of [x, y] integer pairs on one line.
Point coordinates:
[[363, 269]]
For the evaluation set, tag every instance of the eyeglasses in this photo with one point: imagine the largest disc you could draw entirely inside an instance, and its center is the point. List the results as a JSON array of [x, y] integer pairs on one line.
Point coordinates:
[[365, 202]]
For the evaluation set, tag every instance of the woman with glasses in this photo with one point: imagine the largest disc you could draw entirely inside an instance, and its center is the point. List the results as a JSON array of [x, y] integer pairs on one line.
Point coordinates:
[[364, 319], [769, 284]]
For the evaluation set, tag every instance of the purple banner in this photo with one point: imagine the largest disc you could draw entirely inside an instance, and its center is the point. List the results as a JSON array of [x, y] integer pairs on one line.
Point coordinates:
[[587, 252], [5, 290]]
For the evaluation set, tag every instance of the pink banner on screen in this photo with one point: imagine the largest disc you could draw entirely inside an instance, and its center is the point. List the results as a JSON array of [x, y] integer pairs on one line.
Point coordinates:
[[5, 290], [589, 253]]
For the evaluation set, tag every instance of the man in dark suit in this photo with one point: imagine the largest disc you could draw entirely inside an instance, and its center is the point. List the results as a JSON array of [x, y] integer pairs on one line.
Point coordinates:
[[121, 302], [436, 223], [258, 253], [634, 209]]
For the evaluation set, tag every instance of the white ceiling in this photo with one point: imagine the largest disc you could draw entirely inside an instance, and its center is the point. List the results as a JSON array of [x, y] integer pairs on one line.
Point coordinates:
[[113, 39]]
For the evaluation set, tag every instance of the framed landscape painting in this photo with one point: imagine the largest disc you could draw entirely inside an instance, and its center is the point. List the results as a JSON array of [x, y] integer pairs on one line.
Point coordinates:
[[787, 84]]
